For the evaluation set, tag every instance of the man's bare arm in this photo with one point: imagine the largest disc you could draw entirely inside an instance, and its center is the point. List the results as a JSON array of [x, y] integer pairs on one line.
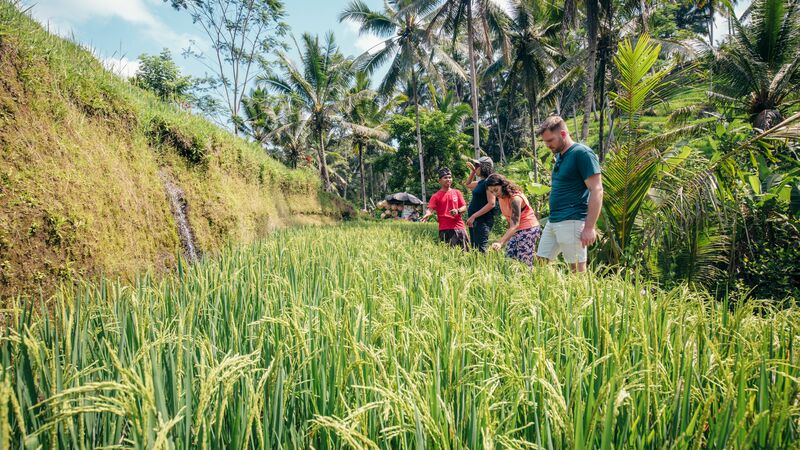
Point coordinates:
[[595, 185]]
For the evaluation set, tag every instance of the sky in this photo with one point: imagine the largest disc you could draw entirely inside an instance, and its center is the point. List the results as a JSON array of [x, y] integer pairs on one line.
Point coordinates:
[[119, 31]]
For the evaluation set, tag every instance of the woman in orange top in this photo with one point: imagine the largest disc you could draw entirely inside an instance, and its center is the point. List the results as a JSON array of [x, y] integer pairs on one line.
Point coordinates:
[[523, 226]]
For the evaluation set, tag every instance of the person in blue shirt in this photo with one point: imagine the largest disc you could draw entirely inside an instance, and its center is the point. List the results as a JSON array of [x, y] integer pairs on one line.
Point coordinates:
[[576, 197], [483, 205]]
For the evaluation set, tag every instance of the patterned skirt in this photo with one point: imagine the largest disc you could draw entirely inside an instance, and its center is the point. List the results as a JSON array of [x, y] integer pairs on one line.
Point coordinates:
[[522, 245]]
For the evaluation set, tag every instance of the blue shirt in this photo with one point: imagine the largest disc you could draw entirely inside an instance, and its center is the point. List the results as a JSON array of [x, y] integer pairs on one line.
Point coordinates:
[[569, 196]]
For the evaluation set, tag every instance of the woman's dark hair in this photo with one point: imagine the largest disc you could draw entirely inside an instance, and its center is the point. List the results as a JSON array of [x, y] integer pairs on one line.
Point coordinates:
[[507, 187], [487, 168]]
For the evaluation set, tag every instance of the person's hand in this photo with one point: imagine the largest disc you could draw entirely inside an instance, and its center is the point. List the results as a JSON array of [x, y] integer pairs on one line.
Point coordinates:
[[497, 246], [588, 236], [453, 212], [471, 221], [471, 167], [425, 218]]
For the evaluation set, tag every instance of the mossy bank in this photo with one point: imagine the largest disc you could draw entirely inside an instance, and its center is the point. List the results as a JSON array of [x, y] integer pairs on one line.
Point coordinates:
[[83, 158]]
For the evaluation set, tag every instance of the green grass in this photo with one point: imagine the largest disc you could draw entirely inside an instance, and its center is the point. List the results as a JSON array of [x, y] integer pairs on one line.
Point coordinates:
[[80, 160], [374, 336]]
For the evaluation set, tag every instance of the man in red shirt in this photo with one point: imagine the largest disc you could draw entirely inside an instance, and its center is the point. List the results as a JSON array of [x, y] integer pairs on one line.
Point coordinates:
[[448, 204]]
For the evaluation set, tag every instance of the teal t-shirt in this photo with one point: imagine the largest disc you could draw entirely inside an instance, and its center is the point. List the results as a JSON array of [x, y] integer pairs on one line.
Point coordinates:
[[569, 196]]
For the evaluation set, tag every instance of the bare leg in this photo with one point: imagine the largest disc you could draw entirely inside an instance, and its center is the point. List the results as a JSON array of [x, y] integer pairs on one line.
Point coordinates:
[[578, 267]]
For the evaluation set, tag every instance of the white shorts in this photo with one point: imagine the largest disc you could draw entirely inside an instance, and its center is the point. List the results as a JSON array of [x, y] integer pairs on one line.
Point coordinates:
[[565, 238]]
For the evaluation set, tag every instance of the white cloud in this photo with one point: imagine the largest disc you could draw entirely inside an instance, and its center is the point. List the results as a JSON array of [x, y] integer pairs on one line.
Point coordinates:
[[365, 42], [80, 11], [66, 15], [123, 67]]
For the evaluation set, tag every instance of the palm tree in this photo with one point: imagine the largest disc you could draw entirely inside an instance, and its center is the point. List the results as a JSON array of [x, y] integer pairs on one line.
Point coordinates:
[[321, 87], [449, 104], [292, 134], [277, 122], [364, 121], [760, 65], [710, 8], [633, 167], [259, 110], [530, 33], [592, 38], [482, 19], [404, 30]]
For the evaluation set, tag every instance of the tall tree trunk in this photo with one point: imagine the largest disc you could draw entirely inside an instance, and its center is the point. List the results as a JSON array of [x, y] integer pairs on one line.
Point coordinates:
[[645, 15], [730, 23], [419, 136], [531, 114], [499, 127], [371, 182], [574, 117], [476, 130], [602, 105], [610, 136], [592, 22], [500, 142], [509, 110], [711, 43], [605, 53], [323, 164], [361, 170]]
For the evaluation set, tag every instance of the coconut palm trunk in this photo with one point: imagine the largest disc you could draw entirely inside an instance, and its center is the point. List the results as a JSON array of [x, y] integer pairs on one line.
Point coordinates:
[[605, 54], [532, 113], [711, 45], [419, 136], [476, 136], [323, 163], [361, 173], [602, 149], [592, 21]]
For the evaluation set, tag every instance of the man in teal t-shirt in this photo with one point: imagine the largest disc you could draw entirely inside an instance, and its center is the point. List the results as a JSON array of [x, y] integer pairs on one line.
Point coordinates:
[[576, 197]]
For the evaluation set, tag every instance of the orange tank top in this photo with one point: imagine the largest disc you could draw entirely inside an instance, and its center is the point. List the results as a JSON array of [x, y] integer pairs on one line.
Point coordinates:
[[527, 217]]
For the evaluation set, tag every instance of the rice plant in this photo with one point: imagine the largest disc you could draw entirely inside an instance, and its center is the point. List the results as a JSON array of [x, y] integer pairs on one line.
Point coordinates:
[[376, 337]]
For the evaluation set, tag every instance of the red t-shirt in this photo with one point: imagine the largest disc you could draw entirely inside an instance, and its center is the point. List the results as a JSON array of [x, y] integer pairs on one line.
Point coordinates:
[[442, 203]]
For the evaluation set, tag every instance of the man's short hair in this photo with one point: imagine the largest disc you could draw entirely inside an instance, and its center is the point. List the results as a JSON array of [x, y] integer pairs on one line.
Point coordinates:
[[444, 172], [553, 124]]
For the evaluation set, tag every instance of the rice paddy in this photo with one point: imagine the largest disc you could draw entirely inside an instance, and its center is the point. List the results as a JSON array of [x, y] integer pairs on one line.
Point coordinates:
[[376, 337]]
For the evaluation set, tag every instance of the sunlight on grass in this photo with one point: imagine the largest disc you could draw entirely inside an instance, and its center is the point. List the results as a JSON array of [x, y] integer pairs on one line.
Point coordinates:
[[370, 336]]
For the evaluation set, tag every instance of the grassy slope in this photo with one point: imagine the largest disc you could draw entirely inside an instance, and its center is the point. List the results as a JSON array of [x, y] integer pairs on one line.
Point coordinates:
[[80, 156], [384, 337]]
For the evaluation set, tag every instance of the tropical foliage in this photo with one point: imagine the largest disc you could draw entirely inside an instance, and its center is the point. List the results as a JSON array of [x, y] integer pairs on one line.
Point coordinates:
[[160, 75], [698, 135], [320, 87], [368, 335], [760, 66]]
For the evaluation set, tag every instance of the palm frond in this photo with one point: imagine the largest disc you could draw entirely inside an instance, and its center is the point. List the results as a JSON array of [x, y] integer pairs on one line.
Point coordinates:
[[357, 11], [363, 130], [370, 61], [686, 131]]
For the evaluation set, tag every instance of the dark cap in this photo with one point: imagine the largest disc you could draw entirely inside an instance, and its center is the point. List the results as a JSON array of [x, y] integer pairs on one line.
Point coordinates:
[[444, 171]]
